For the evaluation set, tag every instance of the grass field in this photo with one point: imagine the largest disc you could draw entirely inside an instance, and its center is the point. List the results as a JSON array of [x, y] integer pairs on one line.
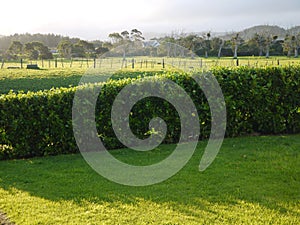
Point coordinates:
[[64, 76], [254, 180]]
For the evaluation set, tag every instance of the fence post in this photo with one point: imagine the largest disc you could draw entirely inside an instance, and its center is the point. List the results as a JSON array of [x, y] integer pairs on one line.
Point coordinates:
[[163, 63], [21, 61], [278, 62], [94, 62], [132, 65], [2, 64], [237, 62], [55, 63]]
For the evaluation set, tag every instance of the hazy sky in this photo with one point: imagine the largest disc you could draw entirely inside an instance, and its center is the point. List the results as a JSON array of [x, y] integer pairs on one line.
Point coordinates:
[[94, 19]]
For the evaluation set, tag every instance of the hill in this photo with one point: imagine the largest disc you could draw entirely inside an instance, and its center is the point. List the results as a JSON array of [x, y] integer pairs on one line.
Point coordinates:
[[294, 30], [50, 40]]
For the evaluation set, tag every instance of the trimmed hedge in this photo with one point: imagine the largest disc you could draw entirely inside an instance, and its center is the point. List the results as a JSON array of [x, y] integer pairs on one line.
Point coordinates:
[[258, 100]]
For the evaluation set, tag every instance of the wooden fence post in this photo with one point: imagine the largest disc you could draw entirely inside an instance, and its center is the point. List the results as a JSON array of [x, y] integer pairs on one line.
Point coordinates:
[[2, 64]]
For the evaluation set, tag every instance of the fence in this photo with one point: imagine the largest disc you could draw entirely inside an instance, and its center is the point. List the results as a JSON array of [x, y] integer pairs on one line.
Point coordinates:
[[147, 63]]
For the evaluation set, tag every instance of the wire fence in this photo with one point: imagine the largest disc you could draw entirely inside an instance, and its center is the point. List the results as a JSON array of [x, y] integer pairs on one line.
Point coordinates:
[[145, 63]]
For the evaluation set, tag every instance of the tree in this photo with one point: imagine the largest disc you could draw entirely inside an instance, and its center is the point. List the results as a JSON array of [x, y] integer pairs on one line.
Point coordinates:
[[270, 39], [136, 35], [37, 50], [290, 44], [16, 48], [83, 49], [236, 41], [206, 43], [297, 45], [217, 45], [115, 38], [65, 48], [260, 41], [125, 39], [293, 42]]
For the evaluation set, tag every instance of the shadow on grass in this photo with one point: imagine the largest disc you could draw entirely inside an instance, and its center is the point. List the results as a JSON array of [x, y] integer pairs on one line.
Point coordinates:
[[262, 170]]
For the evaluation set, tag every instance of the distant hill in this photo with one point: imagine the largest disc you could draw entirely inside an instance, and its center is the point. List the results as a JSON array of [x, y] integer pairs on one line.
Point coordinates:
[[50, 40], [263, 29], [294, 30], [246, 34]]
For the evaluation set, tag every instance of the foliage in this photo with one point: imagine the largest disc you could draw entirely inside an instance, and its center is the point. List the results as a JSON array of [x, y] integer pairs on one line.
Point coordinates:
[[258, 100], [253, 180], [37, 50]]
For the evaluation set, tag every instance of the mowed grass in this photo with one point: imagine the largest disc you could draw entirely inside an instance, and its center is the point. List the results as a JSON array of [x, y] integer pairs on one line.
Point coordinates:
[[36, 80], [253, 180], [45, 79]]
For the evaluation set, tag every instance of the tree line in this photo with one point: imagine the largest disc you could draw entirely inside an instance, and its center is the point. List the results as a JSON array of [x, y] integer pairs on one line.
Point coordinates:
[[261, 44], [205, 45]]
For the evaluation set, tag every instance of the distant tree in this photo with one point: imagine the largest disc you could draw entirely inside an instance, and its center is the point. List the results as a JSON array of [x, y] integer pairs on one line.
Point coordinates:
[[37, 50], [297, 45], [115, 38], [16, 48], [206, 43], [86, 49], [260, 40], [125, 39], [77, 50], [236, 41], [188, 41], [270, 40], [65, 48], [217, 45], [107, 45], [291, 43], [101, 50], [136, 35]]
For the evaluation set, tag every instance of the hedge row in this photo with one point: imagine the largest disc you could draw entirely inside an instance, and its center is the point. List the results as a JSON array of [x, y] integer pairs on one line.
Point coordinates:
[[258, 100]]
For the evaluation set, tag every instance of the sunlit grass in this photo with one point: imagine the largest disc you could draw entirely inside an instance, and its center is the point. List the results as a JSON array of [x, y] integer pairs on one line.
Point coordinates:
[[253, 180]]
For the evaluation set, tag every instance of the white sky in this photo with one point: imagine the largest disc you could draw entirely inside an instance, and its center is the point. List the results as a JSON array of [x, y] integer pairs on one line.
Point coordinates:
[[95, 19]]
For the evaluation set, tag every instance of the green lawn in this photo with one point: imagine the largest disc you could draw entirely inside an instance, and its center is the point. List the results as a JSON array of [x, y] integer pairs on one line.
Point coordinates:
[[253, 180], [35, 80]]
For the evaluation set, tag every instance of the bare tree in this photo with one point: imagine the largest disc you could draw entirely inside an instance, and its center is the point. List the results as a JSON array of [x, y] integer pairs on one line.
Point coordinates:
[[236, 41], [270, 39]]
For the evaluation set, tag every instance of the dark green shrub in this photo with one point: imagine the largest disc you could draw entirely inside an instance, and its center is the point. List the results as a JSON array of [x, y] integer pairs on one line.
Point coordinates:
[[260, 100]]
